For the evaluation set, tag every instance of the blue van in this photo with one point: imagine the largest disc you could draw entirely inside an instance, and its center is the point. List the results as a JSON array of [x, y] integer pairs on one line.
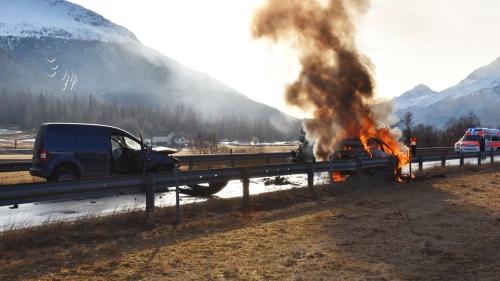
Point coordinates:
[[65, 151]]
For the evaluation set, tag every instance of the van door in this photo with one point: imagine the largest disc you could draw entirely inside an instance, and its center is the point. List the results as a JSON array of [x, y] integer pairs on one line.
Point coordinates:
[[126, 154], [93, 150]]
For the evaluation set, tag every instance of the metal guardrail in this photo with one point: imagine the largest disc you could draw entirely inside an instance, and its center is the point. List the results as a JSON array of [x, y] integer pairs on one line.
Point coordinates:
[[48, 191], [480, 156], [15, 166], [231, 158], [189, 160], [16, 151]]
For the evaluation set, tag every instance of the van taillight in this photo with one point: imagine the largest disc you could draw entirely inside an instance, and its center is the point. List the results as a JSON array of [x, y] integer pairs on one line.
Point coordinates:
[[44, 155]]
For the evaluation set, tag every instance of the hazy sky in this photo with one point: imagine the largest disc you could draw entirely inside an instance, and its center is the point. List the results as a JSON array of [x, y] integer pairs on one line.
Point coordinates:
[[434, 42]]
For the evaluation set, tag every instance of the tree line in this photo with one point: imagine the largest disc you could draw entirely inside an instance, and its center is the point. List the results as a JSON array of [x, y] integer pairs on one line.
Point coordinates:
[[429, 135], [27, 111]]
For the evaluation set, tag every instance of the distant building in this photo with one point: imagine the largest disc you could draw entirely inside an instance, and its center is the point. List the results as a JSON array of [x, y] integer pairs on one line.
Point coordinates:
[[169, 140], [182, 141], [163, 140]]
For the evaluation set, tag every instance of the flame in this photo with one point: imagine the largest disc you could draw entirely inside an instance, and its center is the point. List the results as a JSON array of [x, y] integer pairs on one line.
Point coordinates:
[[368, 128], [364, 142], [338, 177], [395, 148]]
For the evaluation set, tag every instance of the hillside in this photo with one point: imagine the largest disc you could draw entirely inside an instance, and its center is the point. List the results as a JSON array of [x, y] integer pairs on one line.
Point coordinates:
[[60, 48]]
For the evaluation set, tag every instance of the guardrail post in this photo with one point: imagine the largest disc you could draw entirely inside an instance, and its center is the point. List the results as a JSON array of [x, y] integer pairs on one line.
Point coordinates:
[[391, 168], [246, 187], [461, 161], [479, 155], [15, 144], [420, 164], [190, 166], [359, 167], [310, 177], [150, 195], [330, 170], [492, 157], [177, 193], [443, 159]]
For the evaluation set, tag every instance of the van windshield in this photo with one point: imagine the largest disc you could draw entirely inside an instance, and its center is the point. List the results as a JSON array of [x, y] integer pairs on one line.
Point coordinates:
[[471, 138]]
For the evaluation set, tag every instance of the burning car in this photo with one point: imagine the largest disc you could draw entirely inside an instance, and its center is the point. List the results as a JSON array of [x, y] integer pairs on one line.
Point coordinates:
[[348, 149], [355, 148]]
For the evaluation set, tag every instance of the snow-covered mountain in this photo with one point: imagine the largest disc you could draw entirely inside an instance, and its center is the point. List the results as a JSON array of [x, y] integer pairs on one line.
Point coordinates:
[[58, 19], [420, 94], [479, 92], [57, 47]]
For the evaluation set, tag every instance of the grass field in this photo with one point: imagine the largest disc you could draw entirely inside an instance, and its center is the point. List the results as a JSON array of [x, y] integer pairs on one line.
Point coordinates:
[[445, 226]]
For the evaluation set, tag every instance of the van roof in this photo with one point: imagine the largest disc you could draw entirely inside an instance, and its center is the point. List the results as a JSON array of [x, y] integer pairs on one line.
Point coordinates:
[[86, 124]]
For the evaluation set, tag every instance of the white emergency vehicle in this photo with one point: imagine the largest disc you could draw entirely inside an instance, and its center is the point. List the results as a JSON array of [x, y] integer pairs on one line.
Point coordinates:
[[478, 139]]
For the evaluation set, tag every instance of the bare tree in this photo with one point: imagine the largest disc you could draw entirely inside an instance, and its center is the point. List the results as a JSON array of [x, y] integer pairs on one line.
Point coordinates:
[[407, 122]]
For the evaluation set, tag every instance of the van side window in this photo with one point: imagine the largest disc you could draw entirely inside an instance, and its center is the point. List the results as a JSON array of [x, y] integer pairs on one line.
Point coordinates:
[[496, 138], [116, 146], [120, 143], [487, 137]]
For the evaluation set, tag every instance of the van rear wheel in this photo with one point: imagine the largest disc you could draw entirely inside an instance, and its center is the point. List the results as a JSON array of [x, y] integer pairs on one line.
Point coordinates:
[[64, 174]]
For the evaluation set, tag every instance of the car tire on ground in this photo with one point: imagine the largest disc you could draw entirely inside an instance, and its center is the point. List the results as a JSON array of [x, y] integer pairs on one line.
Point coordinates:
[[64, 173], [197, 190], [204, 190]]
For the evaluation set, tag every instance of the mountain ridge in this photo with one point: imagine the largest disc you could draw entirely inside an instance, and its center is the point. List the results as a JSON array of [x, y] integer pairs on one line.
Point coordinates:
[[477, 92]]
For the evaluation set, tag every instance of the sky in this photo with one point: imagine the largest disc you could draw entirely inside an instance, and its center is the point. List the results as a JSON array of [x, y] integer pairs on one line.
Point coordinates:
[[411, 42]]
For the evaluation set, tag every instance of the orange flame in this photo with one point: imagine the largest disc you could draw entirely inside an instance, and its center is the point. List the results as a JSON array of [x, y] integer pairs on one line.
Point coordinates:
[[369, 128], [364, 142], [338, 177]]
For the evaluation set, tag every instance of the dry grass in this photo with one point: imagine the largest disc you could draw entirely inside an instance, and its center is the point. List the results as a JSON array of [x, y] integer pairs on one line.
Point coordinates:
[[445, 226], [15, 156], [18, 177]]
